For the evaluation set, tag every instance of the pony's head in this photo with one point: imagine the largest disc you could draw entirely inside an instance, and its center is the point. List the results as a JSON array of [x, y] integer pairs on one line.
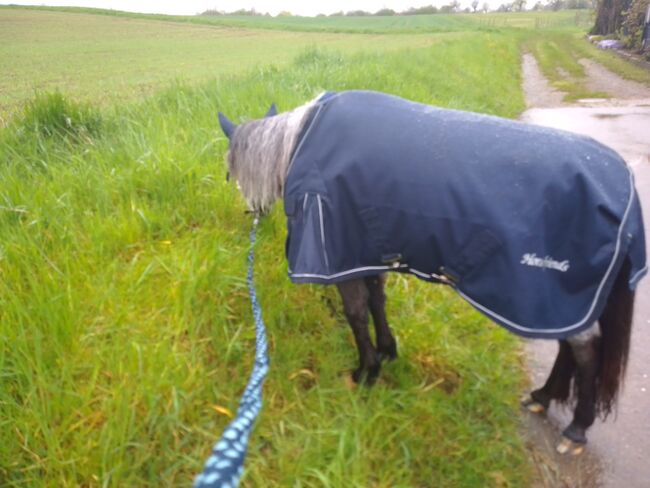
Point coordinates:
[[259, 152], [229, 129], [241, 158]]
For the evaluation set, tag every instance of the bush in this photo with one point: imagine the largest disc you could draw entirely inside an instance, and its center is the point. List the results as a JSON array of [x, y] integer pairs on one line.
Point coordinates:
[[51, 115], [633, 21]]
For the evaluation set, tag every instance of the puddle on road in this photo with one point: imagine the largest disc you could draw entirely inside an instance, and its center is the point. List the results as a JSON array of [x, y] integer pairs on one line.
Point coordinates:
[[622, 125], [607, 116], [593, 100]]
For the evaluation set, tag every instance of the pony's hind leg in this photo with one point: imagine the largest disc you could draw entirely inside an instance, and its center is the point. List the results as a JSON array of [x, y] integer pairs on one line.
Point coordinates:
[[585, 347], [386, 345], [558, 384], [355, 305]]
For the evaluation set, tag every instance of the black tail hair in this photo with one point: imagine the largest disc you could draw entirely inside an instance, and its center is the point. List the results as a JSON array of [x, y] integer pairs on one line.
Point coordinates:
[[613, 350], [616, 328]]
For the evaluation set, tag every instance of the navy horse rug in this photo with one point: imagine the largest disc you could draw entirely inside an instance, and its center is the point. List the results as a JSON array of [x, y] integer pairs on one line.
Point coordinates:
[[530, 225]]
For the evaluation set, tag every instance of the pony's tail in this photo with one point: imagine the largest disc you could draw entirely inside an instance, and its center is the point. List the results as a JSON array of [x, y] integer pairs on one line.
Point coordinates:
[[615, 328]]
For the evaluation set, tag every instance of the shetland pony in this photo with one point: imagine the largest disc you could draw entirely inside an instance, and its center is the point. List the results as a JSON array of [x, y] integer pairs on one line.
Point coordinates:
[[590, 365]]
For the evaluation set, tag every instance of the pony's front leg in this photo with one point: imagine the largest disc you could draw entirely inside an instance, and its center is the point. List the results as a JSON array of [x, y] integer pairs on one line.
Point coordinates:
[[386, 345], [355, 305]]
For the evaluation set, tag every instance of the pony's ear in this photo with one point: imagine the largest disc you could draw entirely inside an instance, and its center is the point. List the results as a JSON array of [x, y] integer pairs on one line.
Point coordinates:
[[272, 111], [227, 126]]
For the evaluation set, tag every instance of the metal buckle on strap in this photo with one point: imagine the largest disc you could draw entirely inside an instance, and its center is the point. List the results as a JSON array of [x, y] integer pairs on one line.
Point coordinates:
[[392, 260], [446, 277]]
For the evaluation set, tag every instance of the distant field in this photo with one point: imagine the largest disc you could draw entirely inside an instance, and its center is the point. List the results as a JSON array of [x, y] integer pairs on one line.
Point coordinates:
[[110, 58], [413, 23], [371, 24]]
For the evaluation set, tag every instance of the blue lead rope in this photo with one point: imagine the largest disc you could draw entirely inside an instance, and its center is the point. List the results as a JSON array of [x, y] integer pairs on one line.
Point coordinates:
[[225, 466]]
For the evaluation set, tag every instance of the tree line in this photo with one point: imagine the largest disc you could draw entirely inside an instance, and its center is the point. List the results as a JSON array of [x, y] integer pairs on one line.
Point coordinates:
[[453, 6], [624, 19]]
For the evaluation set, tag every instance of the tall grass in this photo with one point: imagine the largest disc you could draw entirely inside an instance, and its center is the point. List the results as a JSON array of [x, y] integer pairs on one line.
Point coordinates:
[[125, 330]]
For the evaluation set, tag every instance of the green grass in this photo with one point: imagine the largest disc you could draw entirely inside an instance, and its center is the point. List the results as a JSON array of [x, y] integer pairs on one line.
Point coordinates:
[[107, 59], [124, 317]]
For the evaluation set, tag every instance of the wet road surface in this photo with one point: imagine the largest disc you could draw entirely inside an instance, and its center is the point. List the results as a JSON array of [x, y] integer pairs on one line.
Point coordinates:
[[618, 453]]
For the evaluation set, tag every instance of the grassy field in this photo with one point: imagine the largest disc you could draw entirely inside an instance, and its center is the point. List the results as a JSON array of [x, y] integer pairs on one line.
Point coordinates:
[[125, 331], [365, 24], [105, 59]]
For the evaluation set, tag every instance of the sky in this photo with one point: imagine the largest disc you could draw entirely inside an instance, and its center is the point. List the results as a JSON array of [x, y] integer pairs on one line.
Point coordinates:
[[297, 7]]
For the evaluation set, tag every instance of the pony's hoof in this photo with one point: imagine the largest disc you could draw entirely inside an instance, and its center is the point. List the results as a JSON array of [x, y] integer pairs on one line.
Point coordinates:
[[387, 352], [567, 446], [532, 405], [390, 356], [358, 375], [364, 377]]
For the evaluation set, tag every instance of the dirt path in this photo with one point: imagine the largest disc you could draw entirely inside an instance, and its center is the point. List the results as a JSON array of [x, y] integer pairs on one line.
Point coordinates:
[[600, 79], [537, 89], [617, 451]]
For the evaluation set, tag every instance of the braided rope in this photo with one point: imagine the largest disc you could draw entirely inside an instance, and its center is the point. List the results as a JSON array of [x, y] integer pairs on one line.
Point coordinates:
[[224, 467]]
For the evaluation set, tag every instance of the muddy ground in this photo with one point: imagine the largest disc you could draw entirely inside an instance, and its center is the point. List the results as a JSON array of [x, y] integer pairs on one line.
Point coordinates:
[[617, 453]]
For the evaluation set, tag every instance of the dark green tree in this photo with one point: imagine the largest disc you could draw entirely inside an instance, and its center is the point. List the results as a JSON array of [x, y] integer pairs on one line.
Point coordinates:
[[609, 16]]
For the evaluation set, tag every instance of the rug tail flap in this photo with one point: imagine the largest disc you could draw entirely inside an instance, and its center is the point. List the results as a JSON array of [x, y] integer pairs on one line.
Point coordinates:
[[636, 250]]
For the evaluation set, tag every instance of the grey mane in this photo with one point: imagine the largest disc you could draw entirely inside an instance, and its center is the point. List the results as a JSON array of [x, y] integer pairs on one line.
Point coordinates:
[[260, 153]]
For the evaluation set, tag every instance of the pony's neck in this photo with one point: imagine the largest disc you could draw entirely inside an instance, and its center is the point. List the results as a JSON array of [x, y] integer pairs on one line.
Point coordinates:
[[261, 154]]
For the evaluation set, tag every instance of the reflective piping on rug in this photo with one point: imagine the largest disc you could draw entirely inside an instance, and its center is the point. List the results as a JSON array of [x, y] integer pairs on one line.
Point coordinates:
[[344, 273], [637, 276], [322, 232]]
